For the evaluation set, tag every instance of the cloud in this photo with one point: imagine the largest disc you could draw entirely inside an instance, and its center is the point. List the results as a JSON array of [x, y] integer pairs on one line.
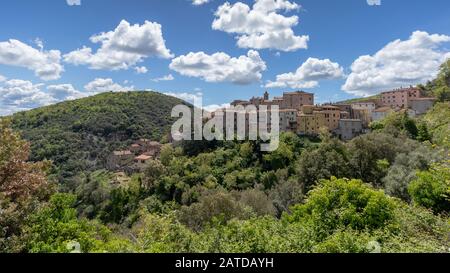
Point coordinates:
[[141, 69], [73, 2], [308, 75], [215, 107], [261, 27], [45, 64], [169, 77], [122, 48], [408, 62], [374, 2], [18, 95], [199, 2], [2, 78], [21, 95], [189, 97], [220, 67], [66, 92], [105, 85]]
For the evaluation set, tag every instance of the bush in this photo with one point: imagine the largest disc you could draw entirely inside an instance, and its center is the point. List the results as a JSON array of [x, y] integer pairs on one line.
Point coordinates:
[[431, 189], [338, 203]]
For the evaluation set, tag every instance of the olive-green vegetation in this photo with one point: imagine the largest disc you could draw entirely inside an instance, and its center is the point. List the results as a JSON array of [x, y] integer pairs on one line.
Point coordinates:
[[371, 98], [388, 191], [231, 199], [79, 135]]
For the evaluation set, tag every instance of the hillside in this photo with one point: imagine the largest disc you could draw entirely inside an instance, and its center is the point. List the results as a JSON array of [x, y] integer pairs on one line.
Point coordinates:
[[438, 121], [79, 135], [360, 99]]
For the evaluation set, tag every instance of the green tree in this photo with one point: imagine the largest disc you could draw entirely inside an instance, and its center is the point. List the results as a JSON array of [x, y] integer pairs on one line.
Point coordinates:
[[329, 159], [431, 189], [55, 228], [338, 203], [23, 186]]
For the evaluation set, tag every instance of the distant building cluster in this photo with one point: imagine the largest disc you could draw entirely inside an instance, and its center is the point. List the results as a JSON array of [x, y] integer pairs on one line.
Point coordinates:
[[136, 157], [300, 115]]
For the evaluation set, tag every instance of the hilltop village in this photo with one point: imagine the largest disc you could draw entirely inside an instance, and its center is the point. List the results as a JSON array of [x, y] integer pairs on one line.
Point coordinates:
[[299, 114]]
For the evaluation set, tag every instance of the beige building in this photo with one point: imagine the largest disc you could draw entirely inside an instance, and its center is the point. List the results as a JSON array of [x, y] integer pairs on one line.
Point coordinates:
[[310, 120], [290, 100], [332, 116]]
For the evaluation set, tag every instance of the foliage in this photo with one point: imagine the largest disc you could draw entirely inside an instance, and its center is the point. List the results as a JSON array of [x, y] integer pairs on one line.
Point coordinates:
[[440, 87], [438, 122], [398, 123], [370, 153], [431, 189], [344, 203], [22, 186], [404, 169], [79, 135], [329, 159], [55, 226]]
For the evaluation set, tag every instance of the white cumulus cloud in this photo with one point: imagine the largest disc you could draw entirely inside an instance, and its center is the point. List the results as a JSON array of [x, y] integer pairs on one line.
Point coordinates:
[[189, 97], [165, 78], [106, 85], [19, 95], [374, 2], [399, 63], [199, 2], [73, 2], [63, 92], [45, 64], [308, 74], [141, 69], [123, 47], [220, 67], [262, 26]]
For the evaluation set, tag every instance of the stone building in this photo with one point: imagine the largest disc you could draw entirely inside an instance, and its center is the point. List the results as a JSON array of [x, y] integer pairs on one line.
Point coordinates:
[[288, 120], [400, 98], [421, 105], [295, 100], [140, 162], [349, 129], [310, 120], [119, 160], [381, 113]]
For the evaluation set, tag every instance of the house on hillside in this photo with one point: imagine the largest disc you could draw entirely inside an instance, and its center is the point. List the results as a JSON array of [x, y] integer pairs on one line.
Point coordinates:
[[381, 113], [119, 160], [421, 105], [349, 129]]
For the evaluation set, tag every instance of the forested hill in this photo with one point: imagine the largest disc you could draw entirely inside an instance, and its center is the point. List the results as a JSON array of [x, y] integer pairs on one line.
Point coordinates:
[[78, 135]]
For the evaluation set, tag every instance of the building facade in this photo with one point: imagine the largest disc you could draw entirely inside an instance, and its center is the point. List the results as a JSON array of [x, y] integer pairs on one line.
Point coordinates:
[[400, 98], [421, 105], [349, 129]]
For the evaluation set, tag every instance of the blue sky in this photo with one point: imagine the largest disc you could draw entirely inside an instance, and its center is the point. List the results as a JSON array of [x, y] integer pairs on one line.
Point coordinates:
[[338, 49]]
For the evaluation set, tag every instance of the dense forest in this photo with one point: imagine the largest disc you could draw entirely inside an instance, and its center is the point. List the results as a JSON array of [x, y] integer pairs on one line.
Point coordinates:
[[389, 189], [79, 135]]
